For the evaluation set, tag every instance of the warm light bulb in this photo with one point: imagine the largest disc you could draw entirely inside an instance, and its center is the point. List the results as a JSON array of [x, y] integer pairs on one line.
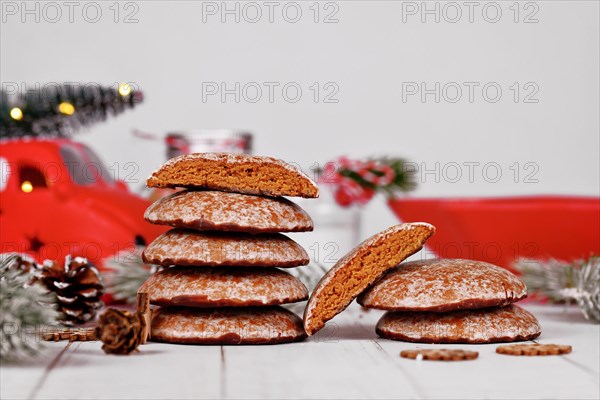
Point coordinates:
[[124, 89], [16, 113], [26, 187], [66, 108]]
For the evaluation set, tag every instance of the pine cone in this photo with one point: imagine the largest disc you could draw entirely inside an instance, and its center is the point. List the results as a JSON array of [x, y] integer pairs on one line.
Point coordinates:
[[78, 287], [120, 331]]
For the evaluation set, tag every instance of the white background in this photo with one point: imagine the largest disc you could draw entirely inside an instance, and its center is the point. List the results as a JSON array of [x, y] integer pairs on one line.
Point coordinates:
[[368, 53]]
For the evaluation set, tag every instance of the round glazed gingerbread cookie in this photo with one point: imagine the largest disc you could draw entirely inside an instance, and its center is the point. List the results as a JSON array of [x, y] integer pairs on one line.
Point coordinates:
[[223, 287], [247, 325], [186, 247], [224, 211], [487, 325], [444, 285]]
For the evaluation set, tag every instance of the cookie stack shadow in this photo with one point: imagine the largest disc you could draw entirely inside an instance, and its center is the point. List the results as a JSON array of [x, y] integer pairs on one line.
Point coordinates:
[[223, 283], [451, 301]]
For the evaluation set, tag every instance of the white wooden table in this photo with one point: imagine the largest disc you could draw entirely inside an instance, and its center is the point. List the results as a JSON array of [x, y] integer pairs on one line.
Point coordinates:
[[347, 362]]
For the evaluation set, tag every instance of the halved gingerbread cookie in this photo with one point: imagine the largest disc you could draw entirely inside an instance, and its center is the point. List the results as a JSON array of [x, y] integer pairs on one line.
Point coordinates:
[[223, 211], [444, 285], [360, 268], [223, 287], [247, 325], [487, 325], [240, 173], [186, 247]]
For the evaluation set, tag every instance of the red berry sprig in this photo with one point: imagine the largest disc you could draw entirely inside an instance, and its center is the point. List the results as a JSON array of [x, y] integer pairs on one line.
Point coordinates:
[[357, 181]]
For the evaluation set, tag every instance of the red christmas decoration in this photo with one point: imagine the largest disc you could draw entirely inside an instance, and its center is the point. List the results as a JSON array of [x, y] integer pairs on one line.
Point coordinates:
[[507, 229], [357, 181], [58, 198]]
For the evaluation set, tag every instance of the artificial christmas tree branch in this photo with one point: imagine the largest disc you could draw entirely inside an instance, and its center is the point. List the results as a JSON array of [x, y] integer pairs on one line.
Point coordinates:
[[562, 282], [25, 308], [61, 110], [126, 271]]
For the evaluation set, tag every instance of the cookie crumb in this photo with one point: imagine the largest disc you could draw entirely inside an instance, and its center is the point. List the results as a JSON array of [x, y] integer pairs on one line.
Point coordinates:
[[534, 349], [439, 354]]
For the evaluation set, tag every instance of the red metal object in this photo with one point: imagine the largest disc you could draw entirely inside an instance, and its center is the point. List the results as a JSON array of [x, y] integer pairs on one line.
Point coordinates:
[[503, 230], [57, 198]]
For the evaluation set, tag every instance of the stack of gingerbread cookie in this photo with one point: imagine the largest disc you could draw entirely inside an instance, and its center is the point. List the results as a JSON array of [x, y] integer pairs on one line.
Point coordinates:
[[223, 284], [451, 301], [434, 301]]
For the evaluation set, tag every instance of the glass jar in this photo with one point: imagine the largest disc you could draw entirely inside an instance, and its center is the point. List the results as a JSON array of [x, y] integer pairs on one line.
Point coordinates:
[[208, 141]]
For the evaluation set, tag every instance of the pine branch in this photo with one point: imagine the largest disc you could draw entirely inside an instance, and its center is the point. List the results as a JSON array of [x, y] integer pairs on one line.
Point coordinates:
[[548, 278], [126, 273], [26, 309], [61, 110], [588, 285], [310, 274], [566, 282]]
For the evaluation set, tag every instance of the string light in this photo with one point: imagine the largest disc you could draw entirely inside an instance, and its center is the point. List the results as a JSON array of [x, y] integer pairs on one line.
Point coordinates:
[[16, 113], [66, 108], [124, 89], [26, 187]]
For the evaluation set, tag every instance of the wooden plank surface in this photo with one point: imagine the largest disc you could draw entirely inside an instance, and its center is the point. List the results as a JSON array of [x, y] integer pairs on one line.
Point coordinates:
[[346, 360]]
